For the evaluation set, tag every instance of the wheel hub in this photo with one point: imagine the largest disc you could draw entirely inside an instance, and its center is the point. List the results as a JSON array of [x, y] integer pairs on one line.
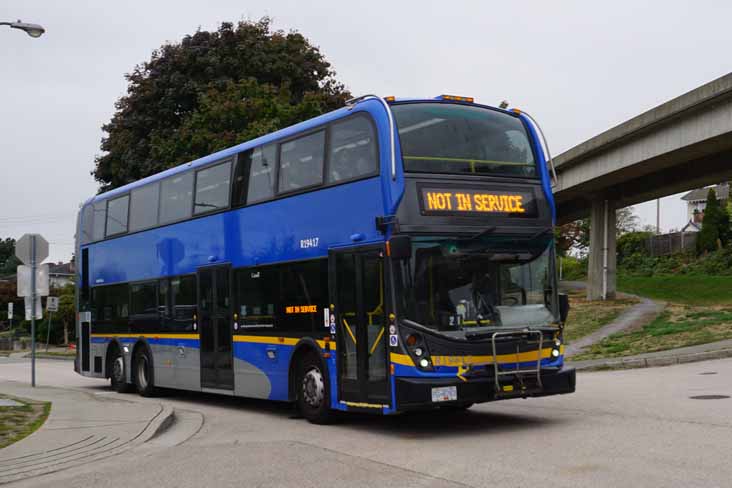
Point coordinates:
[[313, 388], [118, 369]]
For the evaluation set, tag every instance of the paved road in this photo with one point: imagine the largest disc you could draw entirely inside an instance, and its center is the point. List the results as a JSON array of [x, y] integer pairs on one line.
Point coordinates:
[[622, 428]]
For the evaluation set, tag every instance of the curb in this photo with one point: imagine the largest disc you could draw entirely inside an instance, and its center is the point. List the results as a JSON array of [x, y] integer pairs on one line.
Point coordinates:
[[159, 424], [652, 362]]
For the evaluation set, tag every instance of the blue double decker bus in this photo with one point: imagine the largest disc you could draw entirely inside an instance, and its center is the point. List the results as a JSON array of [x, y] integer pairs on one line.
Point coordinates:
[[389, 256]]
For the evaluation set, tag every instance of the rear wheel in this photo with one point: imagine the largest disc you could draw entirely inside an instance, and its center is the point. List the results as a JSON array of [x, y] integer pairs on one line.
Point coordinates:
[[143, 373], [313, 395], [117, 373]]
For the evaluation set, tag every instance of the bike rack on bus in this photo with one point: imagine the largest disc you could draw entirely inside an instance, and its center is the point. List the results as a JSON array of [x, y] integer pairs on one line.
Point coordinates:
[[518, 371]]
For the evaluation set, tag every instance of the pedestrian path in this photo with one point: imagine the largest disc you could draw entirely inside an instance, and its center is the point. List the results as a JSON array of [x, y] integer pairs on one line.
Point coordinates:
[[636, 316], [82, 427]]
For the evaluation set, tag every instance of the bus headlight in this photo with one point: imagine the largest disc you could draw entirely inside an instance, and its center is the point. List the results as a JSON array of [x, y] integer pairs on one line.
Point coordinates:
[[555, 353], [418, 352], [424, 362]]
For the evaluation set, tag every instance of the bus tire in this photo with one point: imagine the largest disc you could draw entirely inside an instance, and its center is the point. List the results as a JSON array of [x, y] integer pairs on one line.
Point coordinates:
[[143, 373], [313, 393], [117, 373]]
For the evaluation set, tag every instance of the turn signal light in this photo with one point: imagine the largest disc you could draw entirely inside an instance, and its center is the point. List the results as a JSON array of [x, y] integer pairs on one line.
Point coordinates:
[[411, 340]]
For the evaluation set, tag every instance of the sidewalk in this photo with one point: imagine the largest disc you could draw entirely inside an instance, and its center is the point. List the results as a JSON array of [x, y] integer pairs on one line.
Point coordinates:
[[702, 352], [82, 427]]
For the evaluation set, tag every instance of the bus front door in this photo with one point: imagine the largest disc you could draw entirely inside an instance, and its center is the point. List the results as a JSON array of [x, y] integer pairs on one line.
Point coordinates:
[[214, 327], [359, 299]]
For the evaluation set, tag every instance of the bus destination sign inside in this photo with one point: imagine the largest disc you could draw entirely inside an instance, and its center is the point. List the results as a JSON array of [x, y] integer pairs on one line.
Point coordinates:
[[477, 202]]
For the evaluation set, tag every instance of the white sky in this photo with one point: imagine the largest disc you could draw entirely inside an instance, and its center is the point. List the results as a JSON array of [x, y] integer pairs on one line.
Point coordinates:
[[578, 67]]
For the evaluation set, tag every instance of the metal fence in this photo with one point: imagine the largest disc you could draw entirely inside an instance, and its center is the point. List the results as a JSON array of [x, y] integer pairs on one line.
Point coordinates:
[[673, 243]]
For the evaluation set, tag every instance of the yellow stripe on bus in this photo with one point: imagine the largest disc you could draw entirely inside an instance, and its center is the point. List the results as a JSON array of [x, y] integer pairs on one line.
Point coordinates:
[[286, 341], [522, 357], [151, 336]]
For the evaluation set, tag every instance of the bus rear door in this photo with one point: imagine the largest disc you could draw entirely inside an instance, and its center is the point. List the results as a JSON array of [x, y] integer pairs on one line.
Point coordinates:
[[214, 323]]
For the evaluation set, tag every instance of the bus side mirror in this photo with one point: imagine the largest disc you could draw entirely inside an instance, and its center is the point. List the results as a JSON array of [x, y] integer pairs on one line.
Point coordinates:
[[563, 307], [400, 247]]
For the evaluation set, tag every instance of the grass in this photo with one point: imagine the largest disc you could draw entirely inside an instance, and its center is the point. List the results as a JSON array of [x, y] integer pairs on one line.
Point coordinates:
[[19, 422], [677, 326], [586, 317], [682, 289]]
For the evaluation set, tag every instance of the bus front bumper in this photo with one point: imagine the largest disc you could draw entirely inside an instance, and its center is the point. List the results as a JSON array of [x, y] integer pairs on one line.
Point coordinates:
[[417, 393]]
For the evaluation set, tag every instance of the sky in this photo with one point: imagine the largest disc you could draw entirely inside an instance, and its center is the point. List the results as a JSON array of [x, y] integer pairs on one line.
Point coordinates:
[[578, 67]]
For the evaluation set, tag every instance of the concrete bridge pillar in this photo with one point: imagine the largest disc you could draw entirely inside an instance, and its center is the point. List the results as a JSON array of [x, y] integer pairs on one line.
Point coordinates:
[[601, 272]]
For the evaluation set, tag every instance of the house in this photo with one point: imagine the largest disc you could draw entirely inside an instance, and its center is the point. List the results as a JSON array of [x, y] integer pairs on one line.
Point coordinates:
[[60, 274], [696, 201]]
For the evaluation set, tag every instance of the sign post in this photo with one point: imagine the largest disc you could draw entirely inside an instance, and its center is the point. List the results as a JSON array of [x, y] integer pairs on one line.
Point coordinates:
[[10, 314], [51, 306], [32, 249]]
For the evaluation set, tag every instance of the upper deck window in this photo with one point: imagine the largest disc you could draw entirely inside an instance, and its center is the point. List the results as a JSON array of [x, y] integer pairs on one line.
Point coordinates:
[[254, 175], [453, 138], [87, 223], [212, 188], [301, 162], [100, 217], [176, 198], [353, 152], [144, 207], [117, 213]]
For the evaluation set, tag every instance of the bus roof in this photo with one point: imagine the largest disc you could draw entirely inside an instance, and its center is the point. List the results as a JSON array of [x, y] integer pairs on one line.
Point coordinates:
[[369, 105]]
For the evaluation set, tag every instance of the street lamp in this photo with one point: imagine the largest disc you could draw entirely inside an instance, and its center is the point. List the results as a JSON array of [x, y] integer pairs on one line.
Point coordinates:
[[33, 30]]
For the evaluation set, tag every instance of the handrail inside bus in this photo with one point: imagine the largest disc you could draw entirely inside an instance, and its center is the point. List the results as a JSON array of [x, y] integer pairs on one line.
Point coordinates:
[[353, 101]]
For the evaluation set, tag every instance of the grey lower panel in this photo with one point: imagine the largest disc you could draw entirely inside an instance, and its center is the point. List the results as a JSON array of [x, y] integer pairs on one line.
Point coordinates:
[[250, 381], [97, 350], [177, 367]]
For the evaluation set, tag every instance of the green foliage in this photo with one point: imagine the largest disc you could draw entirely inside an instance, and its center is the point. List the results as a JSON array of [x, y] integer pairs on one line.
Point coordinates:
[[632, 244], [210, 91], [8, 261], [715, 230], [573, 269]]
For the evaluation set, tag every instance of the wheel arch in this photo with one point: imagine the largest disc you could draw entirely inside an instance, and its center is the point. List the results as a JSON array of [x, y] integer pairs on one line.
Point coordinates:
[[306, 346]]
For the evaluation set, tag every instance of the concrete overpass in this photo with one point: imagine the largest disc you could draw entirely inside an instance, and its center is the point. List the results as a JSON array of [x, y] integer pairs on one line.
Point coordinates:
[[682, 144]]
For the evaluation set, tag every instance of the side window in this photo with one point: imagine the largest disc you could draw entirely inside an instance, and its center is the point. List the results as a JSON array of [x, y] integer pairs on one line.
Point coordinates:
[[144, 207], [303, 292], [353, 150], [257, 291], [100, 217], [143, 298], [87, 223], [176, 198], [301, 162], [254, 178], [183, 302], [212, 188], [117, 213], [110, 308]]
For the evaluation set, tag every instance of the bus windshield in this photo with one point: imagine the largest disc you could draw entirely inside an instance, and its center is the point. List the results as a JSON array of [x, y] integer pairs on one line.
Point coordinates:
[[456, 139], [454, 285]]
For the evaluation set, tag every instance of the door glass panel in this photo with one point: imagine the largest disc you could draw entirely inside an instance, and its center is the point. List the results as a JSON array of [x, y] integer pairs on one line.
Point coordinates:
[[373, 294], [346, 282]]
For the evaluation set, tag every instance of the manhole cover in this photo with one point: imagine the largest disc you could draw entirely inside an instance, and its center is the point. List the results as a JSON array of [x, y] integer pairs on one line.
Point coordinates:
[[708, 372], [709, 397]]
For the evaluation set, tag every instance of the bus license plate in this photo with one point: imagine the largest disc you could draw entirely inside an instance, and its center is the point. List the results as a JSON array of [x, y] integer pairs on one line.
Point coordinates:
[[444, 394]]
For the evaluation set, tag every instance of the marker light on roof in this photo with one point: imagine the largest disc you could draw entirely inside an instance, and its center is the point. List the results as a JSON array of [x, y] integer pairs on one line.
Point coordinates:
[[456, 98], [390, 98]]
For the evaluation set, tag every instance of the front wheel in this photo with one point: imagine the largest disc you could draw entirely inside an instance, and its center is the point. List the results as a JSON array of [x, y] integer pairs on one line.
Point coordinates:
[[313, 398], [143, 374]]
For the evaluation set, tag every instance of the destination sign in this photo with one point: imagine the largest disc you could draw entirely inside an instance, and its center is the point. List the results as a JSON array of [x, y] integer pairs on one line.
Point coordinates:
[[472, 201]]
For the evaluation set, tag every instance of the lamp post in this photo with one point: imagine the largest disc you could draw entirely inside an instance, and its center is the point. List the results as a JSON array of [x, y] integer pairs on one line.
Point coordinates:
[[33, 30]]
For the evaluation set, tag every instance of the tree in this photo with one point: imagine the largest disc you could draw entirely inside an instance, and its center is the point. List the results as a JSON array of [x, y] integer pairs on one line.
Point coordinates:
[[576, 235], [210, 91], [715, 231], [8, 261]]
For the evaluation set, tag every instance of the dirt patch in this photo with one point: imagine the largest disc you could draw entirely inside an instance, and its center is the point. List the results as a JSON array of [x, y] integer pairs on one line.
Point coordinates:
[[19, 421]]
